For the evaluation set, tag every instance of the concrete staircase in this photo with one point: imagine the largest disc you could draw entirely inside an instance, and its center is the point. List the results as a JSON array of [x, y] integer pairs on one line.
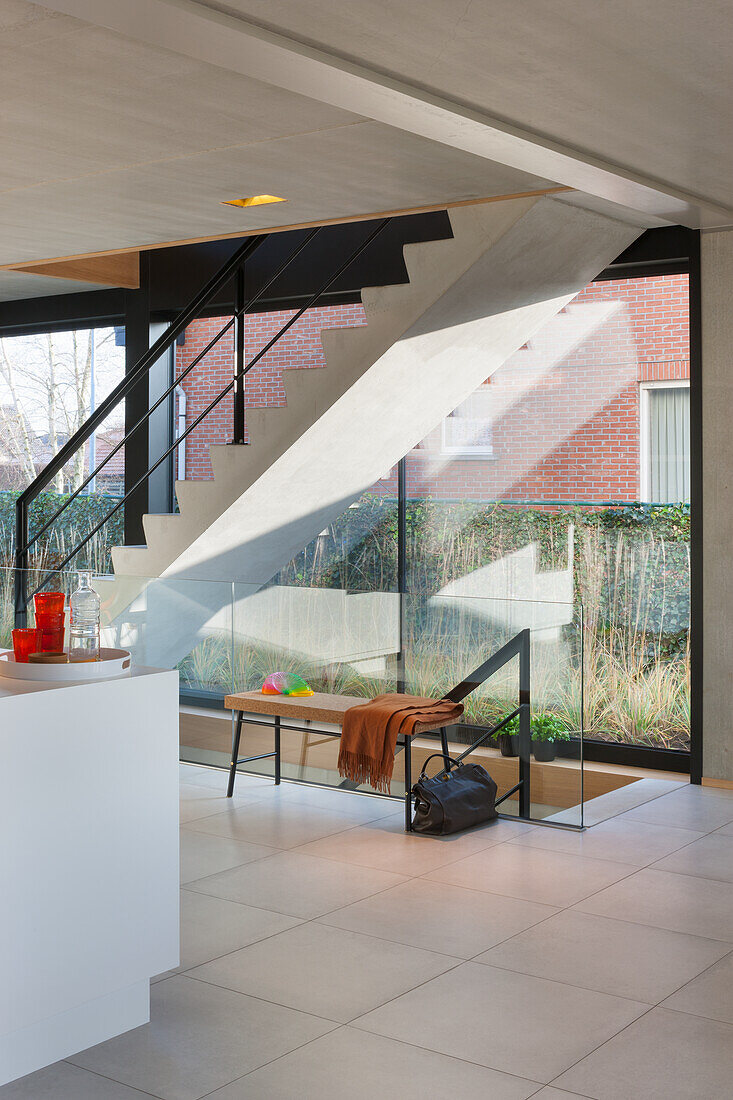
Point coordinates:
[[470, 303]]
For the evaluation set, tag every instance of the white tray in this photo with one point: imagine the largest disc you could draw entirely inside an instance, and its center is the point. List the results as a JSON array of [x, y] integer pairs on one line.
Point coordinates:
[[114, 663]]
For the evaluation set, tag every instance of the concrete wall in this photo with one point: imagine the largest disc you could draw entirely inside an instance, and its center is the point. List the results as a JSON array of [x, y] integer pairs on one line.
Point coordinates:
[[717, 358]]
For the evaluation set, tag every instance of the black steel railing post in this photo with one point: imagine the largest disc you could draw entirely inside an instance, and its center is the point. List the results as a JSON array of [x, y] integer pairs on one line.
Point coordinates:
[[239, 360], [20, 579], [525, 734]]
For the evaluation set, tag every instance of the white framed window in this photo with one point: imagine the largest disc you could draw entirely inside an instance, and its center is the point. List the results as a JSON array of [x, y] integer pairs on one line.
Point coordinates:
[[664, 418], [469, 429]]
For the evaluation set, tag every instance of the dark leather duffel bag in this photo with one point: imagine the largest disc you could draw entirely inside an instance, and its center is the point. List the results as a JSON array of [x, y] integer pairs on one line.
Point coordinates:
[[457, 798]]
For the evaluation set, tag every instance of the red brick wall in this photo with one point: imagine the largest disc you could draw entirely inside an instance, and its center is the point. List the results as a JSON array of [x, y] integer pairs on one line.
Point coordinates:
[[567, 425], [567, 422]]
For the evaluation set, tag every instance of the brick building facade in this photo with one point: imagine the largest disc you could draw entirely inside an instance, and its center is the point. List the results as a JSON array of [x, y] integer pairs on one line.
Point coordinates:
[[561, 420]]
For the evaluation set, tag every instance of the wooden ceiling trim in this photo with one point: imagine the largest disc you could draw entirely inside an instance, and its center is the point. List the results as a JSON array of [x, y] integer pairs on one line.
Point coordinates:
[[119, 269]]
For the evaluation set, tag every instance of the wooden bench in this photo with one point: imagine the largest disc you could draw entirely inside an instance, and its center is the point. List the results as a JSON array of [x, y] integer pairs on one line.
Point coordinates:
[[317, 708], [330, 709]]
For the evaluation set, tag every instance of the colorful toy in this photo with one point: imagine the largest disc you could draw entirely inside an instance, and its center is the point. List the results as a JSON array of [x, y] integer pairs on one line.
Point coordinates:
[[285, 683]]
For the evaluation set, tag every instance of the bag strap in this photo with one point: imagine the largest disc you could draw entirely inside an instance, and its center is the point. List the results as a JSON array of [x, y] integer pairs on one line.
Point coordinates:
[[456, 763]]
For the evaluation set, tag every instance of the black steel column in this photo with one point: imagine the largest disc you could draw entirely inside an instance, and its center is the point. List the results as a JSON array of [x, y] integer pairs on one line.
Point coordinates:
[[21, 562], [696, 514], [239, 362], [401, 566], [137, 342]]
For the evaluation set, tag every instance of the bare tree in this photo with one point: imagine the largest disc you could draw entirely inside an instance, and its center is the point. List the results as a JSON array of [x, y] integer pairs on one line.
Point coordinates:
[[47, 383], [17, 436]]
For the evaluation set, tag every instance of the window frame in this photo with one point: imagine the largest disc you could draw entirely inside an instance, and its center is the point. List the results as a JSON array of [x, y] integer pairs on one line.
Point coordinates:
[[465, 451], [645, 449]]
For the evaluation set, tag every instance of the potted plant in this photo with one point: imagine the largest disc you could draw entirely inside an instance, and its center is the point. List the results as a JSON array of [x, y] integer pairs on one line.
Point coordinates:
[[547, 730], [507, 738]]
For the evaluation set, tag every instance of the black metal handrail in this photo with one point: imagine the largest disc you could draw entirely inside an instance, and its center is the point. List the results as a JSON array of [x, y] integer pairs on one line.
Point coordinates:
[[232, 268], [167, 393], [518, 646]]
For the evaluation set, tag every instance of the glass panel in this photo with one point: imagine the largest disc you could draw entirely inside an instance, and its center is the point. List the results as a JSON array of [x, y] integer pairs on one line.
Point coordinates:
[[197, 390], [450, 636], [49, 384], [540, 487], [222, 638]]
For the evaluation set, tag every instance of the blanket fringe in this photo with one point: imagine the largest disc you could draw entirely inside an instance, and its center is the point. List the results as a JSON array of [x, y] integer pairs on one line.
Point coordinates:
[[360, 768]]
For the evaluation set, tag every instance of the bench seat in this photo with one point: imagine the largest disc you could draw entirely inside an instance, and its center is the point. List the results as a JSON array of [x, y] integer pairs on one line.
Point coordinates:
[[317, 708]]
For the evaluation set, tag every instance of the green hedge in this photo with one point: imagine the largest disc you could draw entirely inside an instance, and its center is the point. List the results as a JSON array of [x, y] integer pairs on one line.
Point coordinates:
[[631, 556], [81, 516]]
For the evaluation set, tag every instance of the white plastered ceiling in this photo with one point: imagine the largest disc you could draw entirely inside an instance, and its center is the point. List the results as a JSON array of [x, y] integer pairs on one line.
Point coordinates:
[[108, 142]]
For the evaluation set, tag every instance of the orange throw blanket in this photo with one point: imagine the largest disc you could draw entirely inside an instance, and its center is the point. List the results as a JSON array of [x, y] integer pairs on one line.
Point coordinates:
[[370, 731]]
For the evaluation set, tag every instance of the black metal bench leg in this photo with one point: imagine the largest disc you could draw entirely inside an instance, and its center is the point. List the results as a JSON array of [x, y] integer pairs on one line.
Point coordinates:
[[277, 749], [236, 737], [444, 746], [408, 784]]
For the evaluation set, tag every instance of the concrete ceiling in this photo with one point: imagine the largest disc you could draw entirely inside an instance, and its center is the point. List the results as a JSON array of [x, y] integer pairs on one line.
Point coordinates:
[[643, 84], [113, 143], [127, 123]]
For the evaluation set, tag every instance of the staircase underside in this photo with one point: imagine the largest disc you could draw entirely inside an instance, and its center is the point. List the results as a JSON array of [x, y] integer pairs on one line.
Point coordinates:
[[472, 302]]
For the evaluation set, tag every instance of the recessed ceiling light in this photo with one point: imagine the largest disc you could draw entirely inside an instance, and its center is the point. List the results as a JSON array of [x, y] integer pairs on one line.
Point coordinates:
[[253, 200]]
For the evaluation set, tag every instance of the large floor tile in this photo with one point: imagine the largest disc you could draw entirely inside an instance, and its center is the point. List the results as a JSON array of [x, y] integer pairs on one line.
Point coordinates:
[[211, 927], [626, 960], [277, 822], [359, 807], [699, 907], [326, 971], [551, 878], [663, 1056], [362, 1066], [687, 808], [200, 1037], [65, 1082], [203, 854], [386, 845], [620, 840], [218, 778], [710, 994], [300, 885], [200, 802], [510, 1022], [726, 830], [711, 857], [441, 918], [606, 806]]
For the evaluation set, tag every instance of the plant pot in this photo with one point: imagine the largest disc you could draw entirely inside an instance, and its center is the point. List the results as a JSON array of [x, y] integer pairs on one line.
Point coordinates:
[[544, 751], [508, 744]]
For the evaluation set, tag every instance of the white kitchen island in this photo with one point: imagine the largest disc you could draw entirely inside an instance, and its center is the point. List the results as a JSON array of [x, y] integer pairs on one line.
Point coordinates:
[[88, 861]]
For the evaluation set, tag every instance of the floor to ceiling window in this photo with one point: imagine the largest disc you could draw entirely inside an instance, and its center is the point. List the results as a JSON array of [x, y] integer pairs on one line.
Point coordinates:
[[49, 384], [566, 478], [561, 485]]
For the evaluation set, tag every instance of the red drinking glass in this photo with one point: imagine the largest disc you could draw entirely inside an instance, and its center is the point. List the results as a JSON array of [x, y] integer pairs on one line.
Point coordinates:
[[26, 640], [51, 603], [52, 631]]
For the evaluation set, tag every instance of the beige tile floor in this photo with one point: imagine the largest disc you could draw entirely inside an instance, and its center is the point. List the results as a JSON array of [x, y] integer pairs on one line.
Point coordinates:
[[327, 955]]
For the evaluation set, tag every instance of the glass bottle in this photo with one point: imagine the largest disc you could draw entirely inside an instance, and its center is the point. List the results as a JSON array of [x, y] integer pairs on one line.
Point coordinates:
[[85, 605]]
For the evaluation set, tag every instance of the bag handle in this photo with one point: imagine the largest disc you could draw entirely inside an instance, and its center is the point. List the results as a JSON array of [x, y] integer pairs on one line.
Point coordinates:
[[443, 758]]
